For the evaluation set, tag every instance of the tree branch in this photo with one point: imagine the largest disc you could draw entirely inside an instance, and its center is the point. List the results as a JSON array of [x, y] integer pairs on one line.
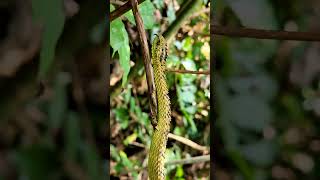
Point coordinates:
[[188, 72], [192, 160], [188, 142], [146, 56], [264, 34], [121, 10]]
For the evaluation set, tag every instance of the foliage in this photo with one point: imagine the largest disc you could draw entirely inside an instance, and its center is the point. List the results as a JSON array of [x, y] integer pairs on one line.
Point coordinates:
[[189, 93], [119, 37]]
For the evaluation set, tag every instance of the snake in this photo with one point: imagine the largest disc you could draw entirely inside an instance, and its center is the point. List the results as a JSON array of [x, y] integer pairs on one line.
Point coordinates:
[[161, 121]]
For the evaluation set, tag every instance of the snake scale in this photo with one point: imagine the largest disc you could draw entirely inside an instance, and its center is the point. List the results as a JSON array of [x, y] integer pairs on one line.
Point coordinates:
[[162, 120]]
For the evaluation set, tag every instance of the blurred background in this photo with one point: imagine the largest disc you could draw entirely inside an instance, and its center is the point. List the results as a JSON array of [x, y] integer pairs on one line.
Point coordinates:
[[267, 93], [130, 121], [53, 101]]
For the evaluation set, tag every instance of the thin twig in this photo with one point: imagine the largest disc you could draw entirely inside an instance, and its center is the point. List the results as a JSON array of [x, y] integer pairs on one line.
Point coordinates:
[[265, 34], [138, 144], [192, 160], [121, 10], [188, 72], [188, 142], [146, 56]]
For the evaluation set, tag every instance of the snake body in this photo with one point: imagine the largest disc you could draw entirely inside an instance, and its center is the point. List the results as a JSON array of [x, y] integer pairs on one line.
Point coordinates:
[[157, 150]]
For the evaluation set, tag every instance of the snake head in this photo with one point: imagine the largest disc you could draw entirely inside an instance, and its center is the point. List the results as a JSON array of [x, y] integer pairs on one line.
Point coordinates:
[[159, 49]]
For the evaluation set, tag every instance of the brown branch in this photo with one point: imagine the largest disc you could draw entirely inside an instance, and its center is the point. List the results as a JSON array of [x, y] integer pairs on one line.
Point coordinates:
[[146, 56], [121, 10], [265, 34], [191, 160], [188, 72], [188, 142]]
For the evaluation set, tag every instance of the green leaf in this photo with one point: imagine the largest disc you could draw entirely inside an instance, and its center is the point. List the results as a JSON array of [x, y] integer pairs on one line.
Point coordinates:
[[158, 3], [51, 15], [131, 138], [125, 161], [189, 64], [146, 10], [187, 96], [130, 17], [119, 42], [172, 60], [187, 44], [179, 172], [112, 8], [114, 153], [122, 116]]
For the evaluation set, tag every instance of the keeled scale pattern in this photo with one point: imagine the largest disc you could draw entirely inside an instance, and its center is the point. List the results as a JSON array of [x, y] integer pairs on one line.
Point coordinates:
[[156, 159]]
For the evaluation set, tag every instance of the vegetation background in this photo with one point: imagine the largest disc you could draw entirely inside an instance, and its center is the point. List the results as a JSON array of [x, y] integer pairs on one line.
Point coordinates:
[[130, 121], [267, 93], [55, 129]]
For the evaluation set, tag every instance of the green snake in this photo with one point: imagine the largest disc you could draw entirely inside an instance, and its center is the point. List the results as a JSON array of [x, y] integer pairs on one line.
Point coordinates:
[[162, 120]]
